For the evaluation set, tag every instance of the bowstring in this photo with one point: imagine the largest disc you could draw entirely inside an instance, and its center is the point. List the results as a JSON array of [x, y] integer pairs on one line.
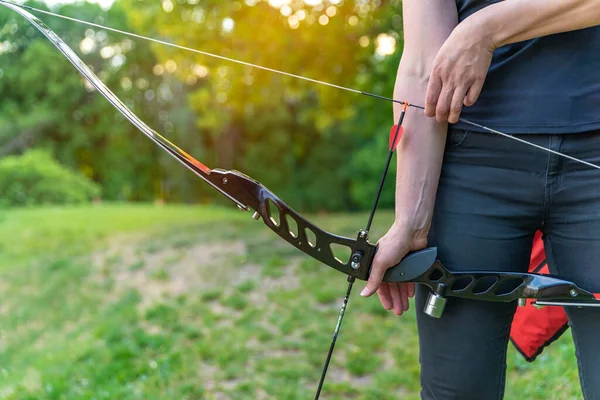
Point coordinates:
[[300, 77], [295, 76], [206, 53]]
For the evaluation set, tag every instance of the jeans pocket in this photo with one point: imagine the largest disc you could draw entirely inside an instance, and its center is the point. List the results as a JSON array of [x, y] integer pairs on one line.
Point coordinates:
[[457, 137]]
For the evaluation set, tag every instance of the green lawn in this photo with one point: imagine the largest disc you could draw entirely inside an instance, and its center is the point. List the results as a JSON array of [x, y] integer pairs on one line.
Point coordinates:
[[145, 302]]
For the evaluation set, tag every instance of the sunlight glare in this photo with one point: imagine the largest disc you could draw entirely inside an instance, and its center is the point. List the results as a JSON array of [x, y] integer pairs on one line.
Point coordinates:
[[301, 14], [228, 24], [279, 3], [293, 22], [286, 11], [171, 66], [107, 52], [126, 84], [87, 45], [158, 70], [201, 71], [167, 5], [386, 45]]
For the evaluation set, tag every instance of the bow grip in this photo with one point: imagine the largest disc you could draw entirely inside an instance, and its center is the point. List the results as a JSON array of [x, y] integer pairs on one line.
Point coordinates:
[[412, 266]]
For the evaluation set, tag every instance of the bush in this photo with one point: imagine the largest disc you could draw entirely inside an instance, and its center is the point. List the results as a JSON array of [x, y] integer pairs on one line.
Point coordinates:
[[36, 178]]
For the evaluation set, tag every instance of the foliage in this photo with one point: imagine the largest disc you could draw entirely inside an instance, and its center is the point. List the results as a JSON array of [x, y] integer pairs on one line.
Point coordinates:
[[299, 138], [144, 302], [49, 105], [36, 178], [318, 147]]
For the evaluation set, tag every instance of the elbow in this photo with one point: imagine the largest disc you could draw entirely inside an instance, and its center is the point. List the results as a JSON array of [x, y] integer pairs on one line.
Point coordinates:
[[417, 69]]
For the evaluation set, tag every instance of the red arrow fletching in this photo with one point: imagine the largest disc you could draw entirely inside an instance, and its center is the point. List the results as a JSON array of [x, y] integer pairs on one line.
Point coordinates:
[[395, 136]]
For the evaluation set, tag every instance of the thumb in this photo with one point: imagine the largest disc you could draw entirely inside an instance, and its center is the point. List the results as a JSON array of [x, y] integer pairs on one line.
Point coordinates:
[[375, 279]]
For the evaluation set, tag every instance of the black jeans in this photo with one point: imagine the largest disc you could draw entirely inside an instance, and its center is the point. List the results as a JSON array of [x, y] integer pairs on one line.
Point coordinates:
[[494, 194]]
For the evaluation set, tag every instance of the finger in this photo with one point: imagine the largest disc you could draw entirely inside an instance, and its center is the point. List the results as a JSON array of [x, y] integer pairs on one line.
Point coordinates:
[[473, 93], [395, 293], [456, 104], [443, 106], [411, 290], [433, 93], [375, 279], [403, 296], [384, 296]]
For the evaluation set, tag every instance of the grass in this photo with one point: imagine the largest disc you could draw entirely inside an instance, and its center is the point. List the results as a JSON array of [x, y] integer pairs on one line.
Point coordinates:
[[145, 302]]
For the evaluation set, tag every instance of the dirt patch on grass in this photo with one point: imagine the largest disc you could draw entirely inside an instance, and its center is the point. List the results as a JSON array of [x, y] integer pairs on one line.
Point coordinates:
[[158, 272], [162, 270]]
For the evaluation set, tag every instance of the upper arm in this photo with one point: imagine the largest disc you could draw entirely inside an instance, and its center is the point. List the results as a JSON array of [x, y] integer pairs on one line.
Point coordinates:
[[427, 25]]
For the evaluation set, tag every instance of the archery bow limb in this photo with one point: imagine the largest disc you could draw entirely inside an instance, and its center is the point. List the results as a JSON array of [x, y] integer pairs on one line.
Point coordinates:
[[247, 193]]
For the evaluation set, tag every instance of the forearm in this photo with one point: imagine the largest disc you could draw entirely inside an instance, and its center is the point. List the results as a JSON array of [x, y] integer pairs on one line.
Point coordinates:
[[419, 157], [428, 23], [513, 21]]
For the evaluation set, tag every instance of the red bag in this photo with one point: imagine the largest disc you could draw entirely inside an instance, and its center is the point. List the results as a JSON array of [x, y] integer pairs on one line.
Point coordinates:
[[535, 328]]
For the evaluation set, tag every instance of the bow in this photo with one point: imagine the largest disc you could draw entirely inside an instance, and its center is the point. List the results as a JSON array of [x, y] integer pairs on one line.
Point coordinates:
[[419, 267]]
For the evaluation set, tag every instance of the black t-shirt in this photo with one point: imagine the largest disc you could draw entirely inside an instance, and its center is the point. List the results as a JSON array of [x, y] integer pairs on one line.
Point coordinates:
[[545, 85]]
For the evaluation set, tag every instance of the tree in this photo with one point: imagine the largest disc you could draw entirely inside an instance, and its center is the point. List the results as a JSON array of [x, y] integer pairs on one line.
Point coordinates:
[[295, 136]]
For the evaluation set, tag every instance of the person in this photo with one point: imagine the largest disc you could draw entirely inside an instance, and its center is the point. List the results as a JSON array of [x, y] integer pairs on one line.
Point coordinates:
[[525, 67]]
